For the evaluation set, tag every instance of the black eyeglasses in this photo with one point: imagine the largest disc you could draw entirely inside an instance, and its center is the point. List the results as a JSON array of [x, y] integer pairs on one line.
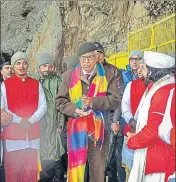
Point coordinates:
[[89, 58], [135, 59]]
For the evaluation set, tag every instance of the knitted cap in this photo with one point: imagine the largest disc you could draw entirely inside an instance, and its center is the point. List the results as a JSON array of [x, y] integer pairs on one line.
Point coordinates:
[[19, 56], [45, 59], [86, 47]]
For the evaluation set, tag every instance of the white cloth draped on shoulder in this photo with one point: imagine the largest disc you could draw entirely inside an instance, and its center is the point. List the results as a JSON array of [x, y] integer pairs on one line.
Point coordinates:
[[138, 170], [166, 125]]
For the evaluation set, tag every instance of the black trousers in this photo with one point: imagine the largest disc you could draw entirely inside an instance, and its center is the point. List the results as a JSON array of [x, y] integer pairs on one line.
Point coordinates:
[[2, 169], [52, 171], [115, 165], [86, 174], [64, 157], [111, 170]]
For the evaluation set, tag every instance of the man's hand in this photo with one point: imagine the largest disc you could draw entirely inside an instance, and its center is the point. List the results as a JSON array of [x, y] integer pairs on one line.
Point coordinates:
[[81, 113], [129, 135], [6, 118], [25, 123], [115, 127], [87, 101], [132, 124], [144, 70]]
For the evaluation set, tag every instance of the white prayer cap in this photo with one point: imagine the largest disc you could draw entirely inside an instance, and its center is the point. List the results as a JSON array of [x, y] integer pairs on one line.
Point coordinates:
[[158, 60]]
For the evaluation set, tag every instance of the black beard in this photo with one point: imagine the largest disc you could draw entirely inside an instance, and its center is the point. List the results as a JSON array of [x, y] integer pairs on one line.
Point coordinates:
[[155, 74], [151, 78], [45, 75], [147, 81]]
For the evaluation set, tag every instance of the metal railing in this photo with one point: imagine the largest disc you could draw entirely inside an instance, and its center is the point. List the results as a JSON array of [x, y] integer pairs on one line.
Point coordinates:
[[159, 37]]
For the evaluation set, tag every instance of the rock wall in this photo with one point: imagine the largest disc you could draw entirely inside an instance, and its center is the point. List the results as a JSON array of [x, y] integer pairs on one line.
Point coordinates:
[[31, 26], [49, 38], [110, 21], [20, 20], [59, 27]]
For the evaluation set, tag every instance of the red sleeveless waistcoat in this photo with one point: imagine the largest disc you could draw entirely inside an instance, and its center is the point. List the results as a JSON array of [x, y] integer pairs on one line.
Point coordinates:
[[137, 90], [22, 99]]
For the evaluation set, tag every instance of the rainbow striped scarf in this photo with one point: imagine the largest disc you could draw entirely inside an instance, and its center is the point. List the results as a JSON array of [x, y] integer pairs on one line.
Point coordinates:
[[80, 128]]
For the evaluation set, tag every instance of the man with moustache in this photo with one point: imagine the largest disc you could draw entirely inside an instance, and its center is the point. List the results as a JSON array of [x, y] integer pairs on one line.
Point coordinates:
[[117, 72], [128, 75], [131, 72], [116, 141], [6, 70], [130, 101], [27, 104], [52, 123]]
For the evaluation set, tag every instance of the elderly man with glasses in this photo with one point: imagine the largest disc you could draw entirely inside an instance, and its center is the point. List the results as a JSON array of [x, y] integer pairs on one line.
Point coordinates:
[[87, 94]]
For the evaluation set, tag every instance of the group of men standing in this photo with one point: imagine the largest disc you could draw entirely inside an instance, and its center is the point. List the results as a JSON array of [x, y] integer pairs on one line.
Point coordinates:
[[104, 118]]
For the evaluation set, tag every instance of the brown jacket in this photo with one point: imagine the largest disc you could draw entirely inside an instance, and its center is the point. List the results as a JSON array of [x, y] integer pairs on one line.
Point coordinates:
[[118, 75], [115, 115], [106, 103]]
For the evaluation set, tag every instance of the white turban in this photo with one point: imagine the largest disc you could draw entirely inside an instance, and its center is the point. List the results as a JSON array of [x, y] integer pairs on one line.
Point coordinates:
[[158, 60]]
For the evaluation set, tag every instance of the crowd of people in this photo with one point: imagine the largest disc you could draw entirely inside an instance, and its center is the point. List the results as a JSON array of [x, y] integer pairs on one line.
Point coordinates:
[[94, 123]]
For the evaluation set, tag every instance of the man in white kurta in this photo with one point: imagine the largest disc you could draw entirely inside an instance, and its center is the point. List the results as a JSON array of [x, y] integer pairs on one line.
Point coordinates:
[[24, 98]]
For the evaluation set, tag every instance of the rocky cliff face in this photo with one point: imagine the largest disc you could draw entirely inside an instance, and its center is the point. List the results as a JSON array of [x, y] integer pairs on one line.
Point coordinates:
[[59, 27], [109, 22], [32, 26], [20, 20]]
